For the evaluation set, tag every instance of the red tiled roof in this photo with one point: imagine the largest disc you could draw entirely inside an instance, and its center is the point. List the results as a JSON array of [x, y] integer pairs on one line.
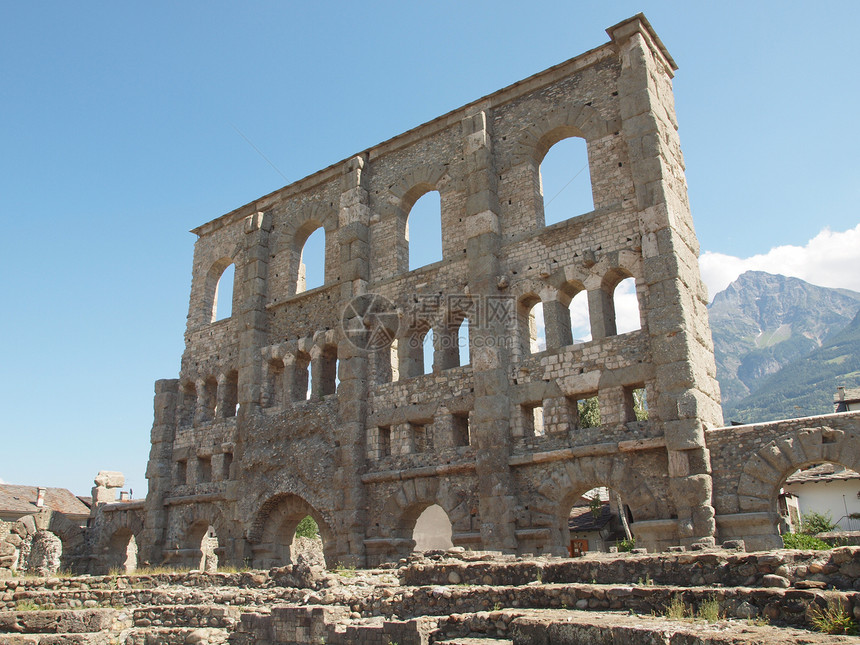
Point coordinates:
[[22, 499]]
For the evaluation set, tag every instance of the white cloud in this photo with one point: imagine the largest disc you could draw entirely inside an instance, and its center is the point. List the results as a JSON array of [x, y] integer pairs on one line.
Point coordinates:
[[828, 260]]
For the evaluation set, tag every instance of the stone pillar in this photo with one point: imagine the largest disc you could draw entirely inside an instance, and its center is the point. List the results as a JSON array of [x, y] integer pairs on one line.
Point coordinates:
[[350, 458], [556, 318], [491, 426], [159, 470], [686, 392], [601, 314]]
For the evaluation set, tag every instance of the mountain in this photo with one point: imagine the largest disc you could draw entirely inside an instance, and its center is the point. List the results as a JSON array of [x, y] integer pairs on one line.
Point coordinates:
[[763, 324], [806, 386]]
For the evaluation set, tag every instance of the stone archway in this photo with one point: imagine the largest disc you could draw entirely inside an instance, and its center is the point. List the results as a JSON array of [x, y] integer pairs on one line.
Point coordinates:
[[273, 529], [765, 472], [567, 482]]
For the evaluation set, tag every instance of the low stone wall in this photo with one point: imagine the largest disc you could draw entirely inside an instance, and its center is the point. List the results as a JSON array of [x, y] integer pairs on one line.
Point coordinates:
[[186, 616], [836, 569]]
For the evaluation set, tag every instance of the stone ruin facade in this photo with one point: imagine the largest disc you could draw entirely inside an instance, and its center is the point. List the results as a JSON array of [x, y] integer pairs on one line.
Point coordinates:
[[316, 402]]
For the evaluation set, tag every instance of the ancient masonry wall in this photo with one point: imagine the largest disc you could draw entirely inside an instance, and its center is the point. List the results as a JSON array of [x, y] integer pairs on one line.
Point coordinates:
[[239, 450]]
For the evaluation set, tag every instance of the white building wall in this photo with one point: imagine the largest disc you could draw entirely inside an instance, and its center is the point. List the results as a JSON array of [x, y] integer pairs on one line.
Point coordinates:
[[839, 498]]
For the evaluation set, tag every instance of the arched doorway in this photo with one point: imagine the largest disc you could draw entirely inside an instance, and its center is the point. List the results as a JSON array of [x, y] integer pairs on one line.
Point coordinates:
[[122, 552], [432, 530], [596, 521]]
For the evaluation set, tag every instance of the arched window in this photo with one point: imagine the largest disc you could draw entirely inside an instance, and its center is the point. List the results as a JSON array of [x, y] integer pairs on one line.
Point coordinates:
[[428, 347], [566, 181], [223, 305], [626, 306], [463, 333], [311, 261], [415, 351], [218, 291], [424, 226], [532, 329], [580, 323]]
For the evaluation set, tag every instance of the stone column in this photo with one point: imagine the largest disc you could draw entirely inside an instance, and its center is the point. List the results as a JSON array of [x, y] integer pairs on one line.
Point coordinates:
[[686, 392], [354, 237], [491, 426], [556, 318], [159, 470]]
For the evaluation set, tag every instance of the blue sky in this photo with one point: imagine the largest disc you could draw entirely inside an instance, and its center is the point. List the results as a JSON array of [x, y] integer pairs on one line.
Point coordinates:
[[120, 130]]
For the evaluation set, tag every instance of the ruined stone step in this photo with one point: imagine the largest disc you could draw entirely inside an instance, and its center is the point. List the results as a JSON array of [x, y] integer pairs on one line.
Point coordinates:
[[576, 628], [60, 621], [175, 636], [837, 568], [186, 616], [90, 598], [466, 640], [99, 638]]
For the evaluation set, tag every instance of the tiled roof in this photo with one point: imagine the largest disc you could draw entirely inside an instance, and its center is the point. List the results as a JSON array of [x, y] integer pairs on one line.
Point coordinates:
[[22, 499], [582, 519], [822, 473], [851, 394]]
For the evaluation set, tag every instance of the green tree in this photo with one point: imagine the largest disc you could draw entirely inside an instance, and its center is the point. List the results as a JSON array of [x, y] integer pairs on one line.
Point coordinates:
[[308, 528], [812, 523], [589, 412], [640, 404]]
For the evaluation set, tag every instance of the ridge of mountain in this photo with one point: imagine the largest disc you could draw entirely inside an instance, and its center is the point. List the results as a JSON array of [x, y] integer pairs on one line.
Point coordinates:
[[762, 323], [806, 386]]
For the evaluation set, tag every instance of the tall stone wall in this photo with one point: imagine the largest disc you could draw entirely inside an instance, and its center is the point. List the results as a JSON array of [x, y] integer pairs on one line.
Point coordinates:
[[317, 402]]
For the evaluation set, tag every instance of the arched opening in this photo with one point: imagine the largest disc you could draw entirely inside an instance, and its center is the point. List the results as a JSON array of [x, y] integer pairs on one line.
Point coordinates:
[[595, 521], [424, 224], [222, 303], [818, 498], [428, 349], [415, 351], [532, 326], [432, 530], [122, 552], [463, 332], [566, 181], [580, 321], [287, 527], [307, 542], [626, 306], [203, 542], [311, 261]]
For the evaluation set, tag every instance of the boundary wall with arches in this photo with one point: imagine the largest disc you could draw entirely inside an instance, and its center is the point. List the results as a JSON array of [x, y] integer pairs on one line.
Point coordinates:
[[290, 407]]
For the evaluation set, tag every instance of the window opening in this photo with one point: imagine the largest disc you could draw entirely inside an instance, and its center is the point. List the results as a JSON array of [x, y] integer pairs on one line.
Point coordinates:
[[566, 181], [580, 323], [312, 262], [626, 306], [222, 305], [424, 225]]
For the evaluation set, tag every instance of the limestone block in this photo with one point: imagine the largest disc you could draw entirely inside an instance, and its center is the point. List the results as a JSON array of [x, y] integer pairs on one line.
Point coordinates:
[[110, 479]]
